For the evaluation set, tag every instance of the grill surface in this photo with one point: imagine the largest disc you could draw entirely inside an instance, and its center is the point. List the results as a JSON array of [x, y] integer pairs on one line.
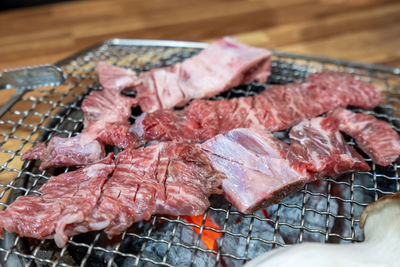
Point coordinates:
[[327, 211]]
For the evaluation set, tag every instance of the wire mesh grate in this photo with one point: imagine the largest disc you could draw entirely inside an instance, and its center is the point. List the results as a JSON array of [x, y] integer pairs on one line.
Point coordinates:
[[326, 211]]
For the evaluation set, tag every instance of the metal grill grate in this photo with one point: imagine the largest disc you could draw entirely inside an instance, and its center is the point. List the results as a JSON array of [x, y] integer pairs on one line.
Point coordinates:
[[327, 211]]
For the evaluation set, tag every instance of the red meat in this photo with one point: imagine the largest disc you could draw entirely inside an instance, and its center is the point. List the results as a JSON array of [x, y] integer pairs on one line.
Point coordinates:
[[327, 152], [224, 64], [115, 78], [277, 108], [163, 178], [82, 149], [66, 199], [375, 137]]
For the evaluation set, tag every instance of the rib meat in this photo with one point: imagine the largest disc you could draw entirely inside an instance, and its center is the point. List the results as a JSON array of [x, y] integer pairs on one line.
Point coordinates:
[[106, 106], [82, 149], [352, 91], [65, 199], [106, 115], [277, 108], [257, 168], [260, 169], [250, 166], [325, 149], [163, 178], [224, 64], [115, 78], [375, 137]]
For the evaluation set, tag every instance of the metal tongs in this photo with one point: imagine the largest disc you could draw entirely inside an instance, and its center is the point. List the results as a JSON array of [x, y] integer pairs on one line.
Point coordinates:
[[25, 79]]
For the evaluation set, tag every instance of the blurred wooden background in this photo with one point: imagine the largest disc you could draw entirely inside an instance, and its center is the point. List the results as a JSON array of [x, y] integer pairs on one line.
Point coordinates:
[[359, 30]]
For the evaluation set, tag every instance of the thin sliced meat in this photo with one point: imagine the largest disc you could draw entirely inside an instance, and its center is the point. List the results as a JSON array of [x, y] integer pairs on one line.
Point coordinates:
[[353, 91], [115, 78], [375, 137], [115, 134], [130, 194], [292, 103], [257, 168], [198, 122], [189, 180], [277, 108], [82, 149], [260, 169], [106, 106], [106, 115], [327, 151], [250, 166], [65, 199], [224, 64], [37, 152], [167, 178]]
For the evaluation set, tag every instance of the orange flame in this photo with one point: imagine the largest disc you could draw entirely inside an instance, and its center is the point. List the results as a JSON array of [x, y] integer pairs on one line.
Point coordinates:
[[209, 237]]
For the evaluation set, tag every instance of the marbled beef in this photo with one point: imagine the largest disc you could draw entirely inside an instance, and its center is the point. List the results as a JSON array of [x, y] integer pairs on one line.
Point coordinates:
[[224, 64], [65, 199], [375, 137], [164, 178], [277, 108]]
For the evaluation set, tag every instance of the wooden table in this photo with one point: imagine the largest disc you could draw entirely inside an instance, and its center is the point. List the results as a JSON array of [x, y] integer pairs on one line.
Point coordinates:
[[359, 30]]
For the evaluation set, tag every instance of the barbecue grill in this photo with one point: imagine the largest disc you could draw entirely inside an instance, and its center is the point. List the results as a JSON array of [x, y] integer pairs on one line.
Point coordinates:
[[327, 211]]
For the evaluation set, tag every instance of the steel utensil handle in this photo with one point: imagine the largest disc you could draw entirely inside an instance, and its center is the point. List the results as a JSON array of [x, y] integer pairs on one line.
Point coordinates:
[[24, 79]]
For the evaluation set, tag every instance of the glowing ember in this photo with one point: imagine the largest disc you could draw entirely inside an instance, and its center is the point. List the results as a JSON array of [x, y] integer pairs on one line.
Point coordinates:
[[266, 215], [209, 237], [264, 211]]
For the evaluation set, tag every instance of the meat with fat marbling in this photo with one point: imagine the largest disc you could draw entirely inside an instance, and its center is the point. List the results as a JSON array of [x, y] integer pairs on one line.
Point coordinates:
[[106, 115], [250, 166], [343, 86], [163, 178], [258, 171], [222, 65], [276, 108], [375, 137], [82, 149], [325, 149], [106, 106], [65, 199], [261, 169], [115, 78]]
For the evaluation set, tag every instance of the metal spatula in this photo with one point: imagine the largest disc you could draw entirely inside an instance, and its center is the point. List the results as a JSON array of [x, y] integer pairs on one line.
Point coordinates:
[[24, 79]]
